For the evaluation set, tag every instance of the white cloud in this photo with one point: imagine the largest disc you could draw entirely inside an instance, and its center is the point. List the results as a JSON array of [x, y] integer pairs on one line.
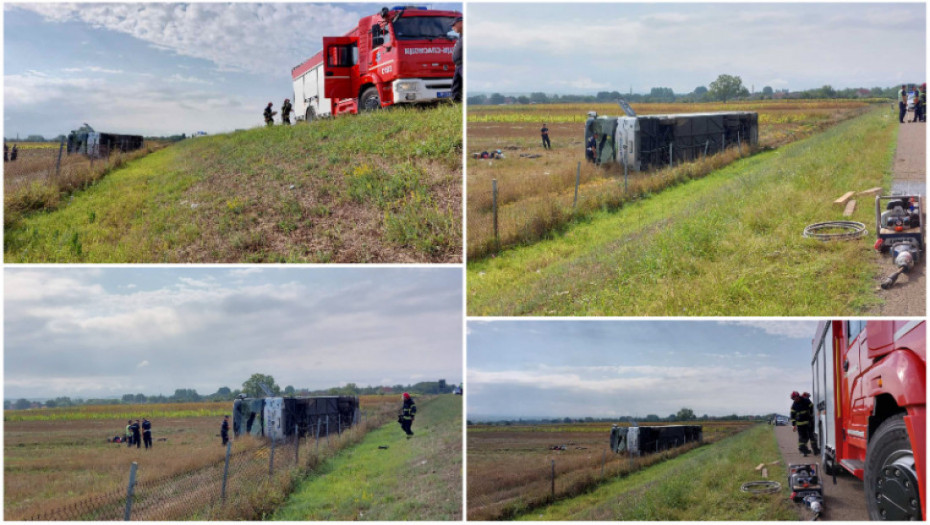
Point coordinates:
[[792, 329], [92, 69], [143, 364]]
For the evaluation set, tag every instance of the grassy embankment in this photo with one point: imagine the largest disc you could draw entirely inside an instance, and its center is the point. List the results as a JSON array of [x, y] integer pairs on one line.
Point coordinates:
[[727, 244], [702, 484], [378, 187], [416, 479]]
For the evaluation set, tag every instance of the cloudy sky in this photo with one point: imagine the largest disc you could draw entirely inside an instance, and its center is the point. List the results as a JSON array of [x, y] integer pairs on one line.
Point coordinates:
[[156, 68], [605, 369], [102, 332], [584, 48]]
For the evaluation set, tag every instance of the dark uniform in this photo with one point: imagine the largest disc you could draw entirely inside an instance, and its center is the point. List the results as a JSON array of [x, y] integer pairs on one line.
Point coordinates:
[[407, 413], [545, 137], [922, 102], [6, 153], [136, 434], [269, 115], [14, 153], [286, 112], [147, 433], [458, 77], [902, 104], [802, 418], [224, 430], [590, 150], [918, 94]]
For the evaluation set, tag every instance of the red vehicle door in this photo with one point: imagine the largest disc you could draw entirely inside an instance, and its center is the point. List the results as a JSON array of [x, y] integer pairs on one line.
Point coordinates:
[[340, 58]]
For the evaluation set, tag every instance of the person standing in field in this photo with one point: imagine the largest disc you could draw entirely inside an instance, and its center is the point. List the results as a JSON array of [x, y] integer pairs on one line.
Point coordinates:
[[14, 153], [147, 433], [224, 430], [286, 112], [129, 433], [407, 414], [136, 428], [458, 78], [802, 422], [269, 115], [6, 152], [902, 104], [918, 93], [545, 137]]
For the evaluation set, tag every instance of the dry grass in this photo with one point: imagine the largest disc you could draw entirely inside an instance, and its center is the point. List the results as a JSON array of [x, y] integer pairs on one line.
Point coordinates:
[[510, 468], [535, 195]]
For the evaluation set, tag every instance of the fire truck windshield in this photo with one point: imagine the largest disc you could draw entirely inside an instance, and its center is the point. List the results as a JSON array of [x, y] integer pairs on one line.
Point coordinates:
[[423, 27]]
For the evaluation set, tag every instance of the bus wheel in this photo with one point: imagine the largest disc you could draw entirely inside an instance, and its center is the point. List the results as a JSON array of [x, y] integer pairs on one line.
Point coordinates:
[[370, 99], [890, 474]]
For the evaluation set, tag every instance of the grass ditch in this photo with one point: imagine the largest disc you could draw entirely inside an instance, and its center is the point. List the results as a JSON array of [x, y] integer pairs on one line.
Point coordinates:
[[700, 484], [727, 244], [377, 187]]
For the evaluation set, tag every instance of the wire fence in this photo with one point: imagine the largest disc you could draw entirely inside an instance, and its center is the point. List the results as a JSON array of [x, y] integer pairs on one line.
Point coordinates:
[[242, 486]]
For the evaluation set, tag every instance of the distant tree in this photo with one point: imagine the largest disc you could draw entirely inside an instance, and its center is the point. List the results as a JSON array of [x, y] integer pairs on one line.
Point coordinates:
[[22, 404], [767, 91], [661, 94], [478, 100], [652, 418], [289, 390], [685, 414], [127, 398], [224, 392], [496, 99], [539, 97], [35, 138], [567, 420], [7, 404], [726, 87], [700, 91], [523, 99], [442, 386], [252, 389]]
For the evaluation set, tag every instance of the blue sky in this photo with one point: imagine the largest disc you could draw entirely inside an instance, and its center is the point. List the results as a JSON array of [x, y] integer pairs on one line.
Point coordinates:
[[158, 69], [613, 368], [585, 48], [102, 332]]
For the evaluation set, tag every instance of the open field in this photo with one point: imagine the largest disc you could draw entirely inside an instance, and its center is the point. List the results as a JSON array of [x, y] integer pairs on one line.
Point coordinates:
[[65, 469], [510, 468], [727, 244], [378, 187], [535, 195], [701, 484], [415, 479]]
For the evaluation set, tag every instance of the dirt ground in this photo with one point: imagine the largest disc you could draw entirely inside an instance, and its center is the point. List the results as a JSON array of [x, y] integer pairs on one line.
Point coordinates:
[[844, 501], [908, 297]]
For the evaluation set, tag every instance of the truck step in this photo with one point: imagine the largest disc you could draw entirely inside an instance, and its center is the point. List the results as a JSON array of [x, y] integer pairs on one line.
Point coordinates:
[[856, 467]]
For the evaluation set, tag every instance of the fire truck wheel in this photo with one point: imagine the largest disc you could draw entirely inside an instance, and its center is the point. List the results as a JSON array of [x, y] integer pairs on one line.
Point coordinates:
[[890, 475], [370, 99]]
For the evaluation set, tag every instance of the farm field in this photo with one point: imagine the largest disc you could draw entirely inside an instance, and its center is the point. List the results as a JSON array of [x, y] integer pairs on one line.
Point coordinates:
[[416, 479], [510, 467], [379, 187], [535, 195], [701, 484], [727, 244], [63, 468]]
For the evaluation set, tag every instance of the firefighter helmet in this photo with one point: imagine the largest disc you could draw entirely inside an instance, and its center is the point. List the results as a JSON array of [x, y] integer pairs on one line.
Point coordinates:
[[795, 395]]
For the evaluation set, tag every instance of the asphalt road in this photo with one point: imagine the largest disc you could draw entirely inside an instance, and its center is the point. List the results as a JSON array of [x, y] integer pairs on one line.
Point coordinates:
[[844, 501], [908, 297]]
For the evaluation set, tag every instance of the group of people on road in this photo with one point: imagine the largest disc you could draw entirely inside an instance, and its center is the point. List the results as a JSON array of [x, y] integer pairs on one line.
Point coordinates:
[[920, 103], [137, 433], [9, 155]]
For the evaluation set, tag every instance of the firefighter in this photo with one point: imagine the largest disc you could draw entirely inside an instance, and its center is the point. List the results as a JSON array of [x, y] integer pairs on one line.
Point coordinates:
[[286, 112], [590, 150], [545, 137], [136, 428], [147, 433], [14, 153], [458, 77], [269, 115], [918, 94], [902, 104], [224, 430], [407, 413], [6, 152], [802, 422]]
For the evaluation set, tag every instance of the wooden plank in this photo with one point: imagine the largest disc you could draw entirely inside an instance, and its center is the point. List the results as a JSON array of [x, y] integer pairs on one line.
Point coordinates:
[[850, 208], [871, 191], [846, 196], [761, 465]]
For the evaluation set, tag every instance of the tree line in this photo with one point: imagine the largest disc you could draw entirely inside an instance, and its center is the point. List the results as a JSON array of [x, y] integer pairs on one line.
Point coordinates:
[[725, 88], [685, 414], [251, 387]]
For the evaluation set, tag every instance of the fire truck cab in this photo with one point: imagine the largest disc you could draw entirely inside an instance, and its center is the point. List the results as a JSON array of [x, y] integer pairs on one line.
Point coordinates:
[[402, 55], [869, 394]]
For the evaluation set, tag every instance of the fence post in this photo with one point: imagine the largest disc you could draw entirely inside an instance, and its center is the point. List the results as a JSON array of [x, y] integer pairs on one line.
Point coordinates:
[[226, 470], [577, 182], [61, 146], [130, 490], [296, 444], [553, 480], [671, 147], [497, 239], [271, 460]]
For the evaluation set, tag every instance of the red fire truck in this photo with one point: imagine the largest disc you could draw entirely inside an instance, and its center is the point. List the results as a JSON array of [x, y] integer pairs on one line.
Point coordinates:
[[401, 55], [869, 391]]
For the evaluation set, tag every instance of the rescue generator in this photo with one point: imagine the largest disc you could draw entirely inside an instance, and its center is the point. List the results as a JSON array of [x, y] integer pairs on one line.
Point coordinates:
[[401, 55], [869, 395], [900, 227]]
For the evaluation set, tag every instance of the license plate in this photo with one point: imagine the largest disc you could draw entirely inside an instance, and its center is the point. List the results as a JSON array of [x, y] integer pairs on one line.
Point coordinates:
[[444, 94]]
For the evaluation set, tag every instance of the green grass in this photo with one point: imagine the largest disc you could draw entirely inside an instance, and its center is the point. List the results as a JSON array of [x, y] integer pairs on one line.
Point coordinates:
[[378, 187], [727, 244], [703, 484], [416, 479]]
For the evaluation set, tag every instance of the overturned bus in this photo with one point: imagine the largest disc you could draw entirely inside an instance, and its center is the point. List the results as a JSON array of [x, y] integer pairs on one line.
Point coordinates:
[[86, 141], [280, 417], [639, 440], [643, 142]]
